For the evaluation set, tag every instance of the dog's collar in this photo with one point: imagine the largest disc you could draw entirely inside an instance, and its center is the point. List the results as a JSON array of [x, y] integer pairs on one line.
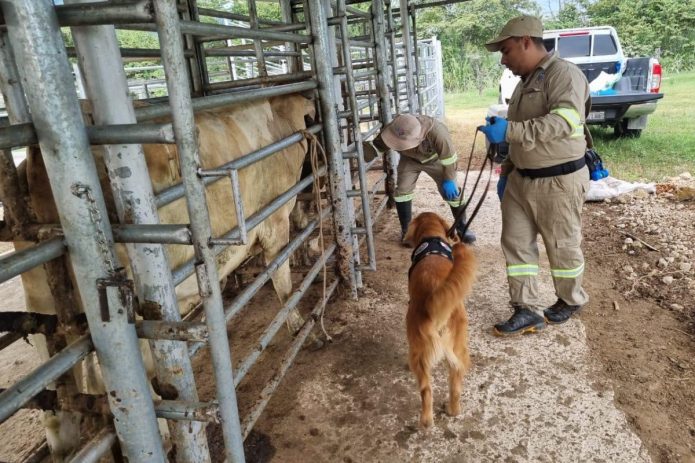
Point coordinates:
[[430, 245]]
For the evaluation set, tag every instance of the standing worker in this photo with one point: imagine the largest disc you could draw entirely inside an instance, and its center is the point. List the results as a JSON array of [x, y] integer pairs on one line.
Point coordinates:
[[425, 146], [544, 179]]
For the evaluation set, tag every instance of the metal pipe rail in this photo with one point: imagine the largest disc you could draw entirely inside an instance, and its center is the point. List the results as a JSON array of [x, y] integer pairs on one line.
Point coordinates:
[[239, 303], [272, 79], [97, 447], [217, 101], [272, 329], [15, 396], [300, 338], [101, 13], [18, 262], [175, 192], [24, 134]]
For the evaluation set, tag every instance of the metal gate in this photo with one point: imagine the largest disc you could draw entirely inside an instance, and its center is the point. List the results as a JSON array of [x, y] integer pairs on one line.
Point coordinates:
[[357, 65]]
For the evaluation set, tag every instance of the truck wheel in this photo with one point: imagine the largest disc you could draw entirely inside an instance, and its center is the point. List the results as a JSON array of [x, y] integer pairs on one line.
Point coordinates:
[[621, 130]]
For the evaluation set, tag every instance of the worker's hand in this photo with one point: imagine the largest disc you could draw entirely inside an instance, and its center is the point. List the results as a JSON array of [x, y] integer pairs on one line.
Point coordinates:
[[495, 130], [451, 192], [501, 184], [369, 151]]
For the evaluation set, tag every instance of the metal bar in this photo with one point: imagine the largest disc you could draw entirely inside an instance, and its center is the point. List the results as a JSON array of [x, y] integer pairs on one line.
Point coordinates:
[[152, 234], [97, 447], [24, 134], [279, 78], [240, 301], [257, 45], [18, 262], [409, 64], [233, 175], [169, 29], [416, 60], [15, 396], [281, 316], [216, 101], [100, 13], [188, 412], [234, 16], [321, 45], [394, 56], [287, 360], [230, 51], [357, 137], [195, 28], [107, 89], [173, 331], [175, 192], [52, 99]]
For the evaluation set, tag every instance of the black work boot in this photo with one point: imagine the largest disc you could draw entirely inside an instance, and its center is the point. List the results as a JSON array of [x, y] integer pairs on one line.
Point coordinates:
[[468, 236], [405, 213], [524, 321], [560, 312]]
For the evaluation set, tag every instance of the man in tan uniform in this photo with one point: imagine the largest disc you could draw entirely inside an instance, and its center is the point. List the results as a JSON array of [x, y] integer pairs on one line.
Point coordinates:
[[544, 179], [425, 146]]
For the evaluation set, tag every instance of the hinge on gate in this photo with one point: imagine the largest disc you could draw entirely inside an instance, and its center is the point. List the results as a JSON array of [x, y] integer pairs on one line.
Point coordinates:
[[124, 286]]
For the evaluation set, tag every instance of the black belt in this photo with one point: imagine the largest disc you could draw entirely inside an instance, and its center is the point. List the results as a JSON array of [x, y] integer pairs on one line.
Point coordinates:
[[552, 171]]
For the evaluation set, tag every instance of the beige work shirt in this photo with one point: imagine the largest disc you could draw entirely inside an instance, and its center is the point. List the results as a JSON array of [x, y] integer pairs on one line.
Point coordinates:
[[437, 146], [546, 116]]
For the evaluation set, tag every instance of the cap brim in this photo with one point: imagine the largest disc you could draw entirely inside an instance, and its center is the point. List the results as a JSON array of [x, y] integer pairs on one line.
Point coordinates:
[[496, 44]]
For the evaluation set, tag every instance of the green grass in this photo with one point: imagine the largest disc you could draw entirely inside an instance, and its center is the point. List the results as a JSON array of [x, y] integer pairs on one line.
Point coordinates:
[[665, 149]]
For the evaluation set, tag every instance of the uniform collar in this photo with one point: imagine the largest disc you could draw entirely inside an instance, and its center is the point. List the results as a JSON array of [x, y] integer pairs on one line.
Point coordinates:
[[542, 65]]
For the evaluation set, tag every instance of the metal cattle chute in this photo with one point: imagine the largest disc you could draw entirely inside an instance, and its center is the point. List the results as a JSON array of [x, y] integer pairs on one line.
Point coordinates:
[[362, 64]]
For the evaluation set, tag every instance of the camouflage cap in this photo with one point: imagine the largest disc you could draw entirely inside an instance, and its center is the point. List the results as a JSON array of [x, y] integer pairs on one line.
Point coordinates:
[[517, 27]]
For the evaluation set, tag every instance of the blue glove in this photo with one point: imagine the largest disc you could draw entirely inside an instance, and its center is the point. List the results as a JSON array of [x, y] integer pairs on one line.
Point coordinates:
[[451, 192], [495, 130], [501, 184]]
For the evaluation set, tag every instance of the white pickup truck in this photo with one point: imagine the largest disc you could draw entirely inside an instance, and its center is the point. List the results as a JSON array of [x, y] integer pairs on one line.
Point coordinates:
[[624, 91]]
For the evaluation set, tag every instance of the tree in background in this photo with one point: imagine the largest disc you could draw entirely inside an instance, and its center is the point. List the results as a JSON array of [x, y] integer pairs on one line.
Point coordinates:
[[646, 28], [463, 29]]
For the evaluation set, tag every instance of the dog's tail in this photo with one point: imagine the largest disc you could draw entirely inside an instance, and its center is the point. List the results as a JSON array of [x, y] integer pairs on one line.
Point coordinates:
[[441, 303]]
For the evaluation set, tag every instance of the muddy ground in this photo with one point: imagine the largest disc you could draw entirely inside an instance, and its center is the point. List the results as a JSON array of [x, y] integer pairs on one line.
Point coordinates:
[[615, 385]]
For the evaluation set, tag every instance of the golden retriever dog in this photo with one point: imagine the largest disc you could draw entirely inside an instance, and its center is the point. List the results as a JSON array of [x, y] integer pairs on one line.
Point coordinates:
[[437, 323]]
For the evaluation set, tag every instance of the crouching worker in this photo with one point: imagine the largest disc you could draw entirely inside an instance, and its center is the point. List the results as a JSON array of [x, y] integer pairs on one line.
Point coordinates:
[[425, 146]]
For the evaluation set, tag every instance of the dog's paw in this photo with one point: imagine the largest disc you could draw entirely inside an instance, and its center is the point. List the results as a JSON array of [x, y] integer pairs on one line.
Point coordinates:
[[426, 421], [453, 409]]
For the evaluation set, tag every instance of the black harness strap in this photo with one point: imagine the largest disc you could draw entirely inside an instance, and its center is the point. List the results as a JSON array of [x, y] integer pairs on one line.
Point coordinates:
[[428, 246]]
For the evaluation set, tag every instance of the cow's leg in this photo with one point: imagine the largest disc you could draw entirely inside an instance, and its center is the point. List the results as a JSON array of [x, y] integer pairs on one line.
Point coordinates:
[[274, 236]]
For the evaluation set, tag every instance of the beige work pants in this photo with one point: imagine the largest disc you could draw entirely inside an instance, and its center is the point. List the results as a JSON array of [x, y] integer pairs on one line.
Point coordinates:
[[551, 207]]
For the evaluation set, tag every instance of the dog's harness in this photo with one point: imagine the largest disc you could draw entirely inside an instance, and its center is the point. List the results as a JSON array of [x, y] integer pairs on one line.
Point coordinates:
[[432, 245]]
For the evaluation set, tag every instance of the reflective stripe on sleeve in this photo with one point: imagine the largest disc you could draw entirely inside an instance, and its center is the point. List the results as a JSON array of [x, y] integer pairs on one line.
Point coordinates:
[[522, 270], [450, 160], [573, 119], [434, 156], [456, 202]]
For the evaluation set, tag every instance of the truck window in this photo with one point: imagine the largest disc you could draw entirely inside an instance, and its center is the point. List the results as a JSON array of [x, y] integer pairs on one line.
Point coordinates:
[[604, 45], [549, 44], [574, 46]]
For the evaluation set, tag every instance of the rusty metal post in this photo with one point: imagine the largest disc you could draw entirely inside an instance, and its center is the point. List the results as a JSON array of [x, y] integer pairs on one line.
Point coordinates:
[[107, 89], [47, 80], [324, 75]]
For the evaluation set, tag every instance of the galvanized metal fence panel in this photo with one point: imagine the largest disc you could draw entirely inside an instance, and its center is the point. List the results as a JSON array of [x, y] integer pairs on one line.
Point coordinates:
[[362, 65]]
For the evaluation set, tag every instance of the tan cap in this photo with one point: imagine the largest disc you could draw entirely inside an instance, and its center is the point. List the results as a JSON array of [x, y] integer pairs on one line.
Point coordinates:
[[517, 27], [403, 133]]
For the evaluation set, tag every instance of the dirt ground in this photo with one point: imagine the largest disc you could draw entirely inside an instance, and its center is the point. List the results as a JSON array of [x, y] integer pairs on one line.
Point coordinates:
[[354, 399]]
